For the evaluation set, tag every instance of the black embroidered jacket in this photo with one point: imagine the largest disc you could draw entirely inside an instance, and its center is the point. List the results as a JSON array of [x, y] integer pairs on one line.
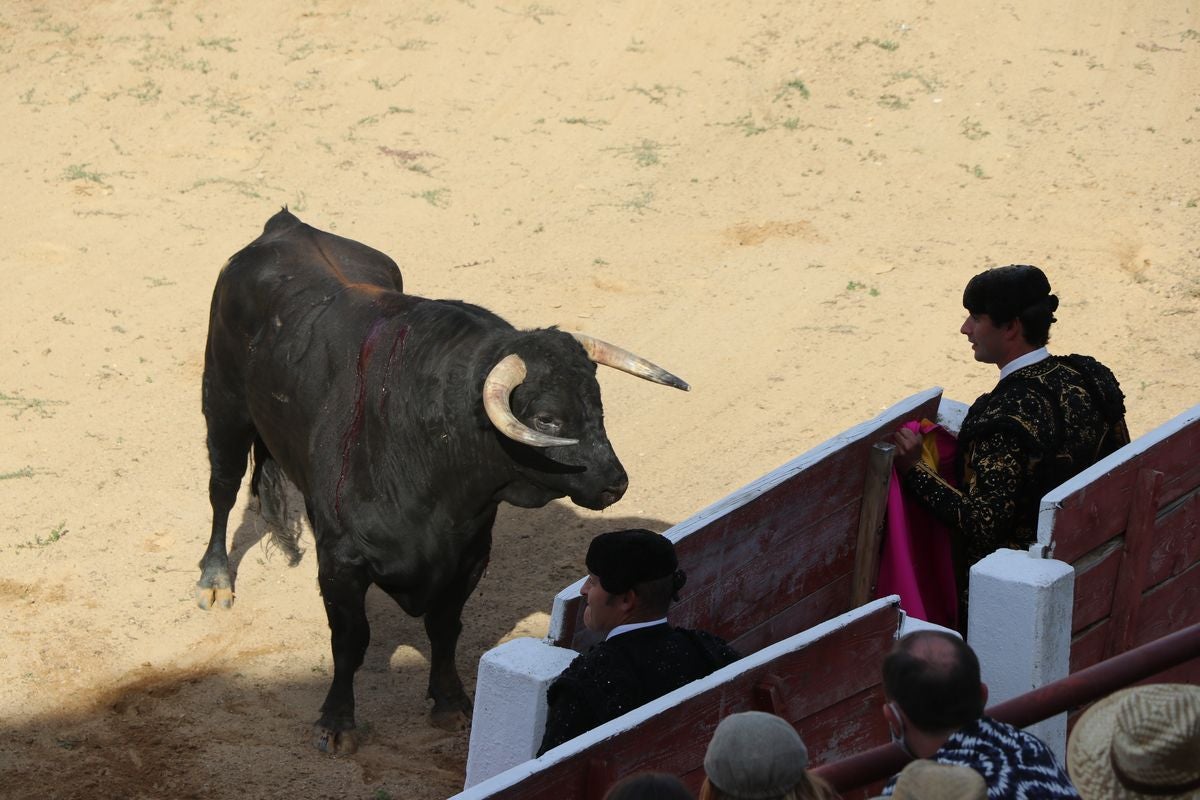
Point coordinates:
[[619, 674], [1040, 426]]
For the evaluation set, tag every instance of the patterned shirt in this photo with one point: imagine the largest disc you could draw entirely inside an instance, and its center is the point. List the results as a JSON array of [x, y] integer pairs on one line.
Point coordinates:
[[1015, 765]]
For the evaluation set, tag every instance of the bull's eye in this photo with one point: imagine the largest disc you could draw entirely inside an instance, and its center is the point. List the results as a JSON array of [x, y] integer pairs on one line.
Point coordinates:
[[546, 423]]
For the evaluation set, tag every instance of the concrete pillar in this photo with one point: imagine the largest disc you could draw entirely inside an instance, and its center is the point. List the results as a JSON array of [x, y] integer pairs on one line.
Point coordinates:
[[1019, 625], [510, 704]]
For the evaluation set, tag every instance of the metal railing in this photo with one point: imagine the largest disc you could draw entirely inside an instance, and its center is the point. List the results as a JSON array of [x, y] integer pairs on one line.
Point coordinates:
[[1065, 694]]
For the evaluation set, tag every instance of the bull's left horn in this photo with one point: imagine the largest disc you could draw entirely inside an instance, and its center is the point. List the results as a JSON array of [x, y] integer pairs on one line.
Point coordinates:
[[612, 356], [497, 387]]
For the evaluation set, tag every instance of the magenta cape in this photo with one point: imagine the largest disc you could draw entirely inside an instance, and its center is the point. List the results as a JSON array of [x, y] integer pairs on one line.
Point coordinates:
[[916, 562]]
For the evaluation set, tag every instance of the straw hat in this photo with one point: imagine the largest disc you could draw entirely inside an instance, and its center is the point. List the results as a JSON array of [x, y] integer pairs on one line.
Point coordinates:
[[929, 780], [1142, 742]]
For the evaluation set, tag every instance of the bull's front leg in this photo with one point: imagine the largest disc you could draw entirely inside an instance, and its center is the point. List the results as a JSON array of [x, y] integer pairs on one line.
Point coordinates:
[[443, 623], [343, 588]]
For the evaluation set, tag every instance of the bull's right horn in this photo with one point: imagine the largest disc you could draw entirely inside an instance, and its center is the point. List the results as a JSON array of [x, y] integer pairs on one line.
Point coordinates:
[[497, 388], [619, 358]]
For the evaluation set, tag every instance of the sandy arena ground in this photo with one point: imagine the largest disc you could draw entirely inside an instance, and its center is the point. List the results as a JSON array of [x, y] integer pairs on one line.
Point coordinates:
[[779, 201]]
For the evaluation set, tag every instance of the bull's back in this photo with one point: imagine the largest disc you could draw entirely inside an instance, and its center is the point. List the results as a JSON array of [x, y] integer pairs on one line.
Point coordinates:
[[294, 261], [280, 285]]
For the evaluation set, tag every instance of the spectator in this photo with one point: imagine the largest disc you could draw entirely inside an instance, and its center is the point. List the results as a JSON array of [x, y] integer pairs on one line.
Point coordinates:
[[649, 786], [632, 578], [1047, 418], [1142, 742], [929, 780], [759, 756], [934, 710]]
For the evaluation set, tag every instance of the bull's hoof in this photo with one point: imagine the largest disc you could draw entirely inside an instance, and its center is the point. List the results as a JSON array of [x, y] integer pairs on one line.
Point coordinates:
[[214, 597], [450, 719], [335, 743]]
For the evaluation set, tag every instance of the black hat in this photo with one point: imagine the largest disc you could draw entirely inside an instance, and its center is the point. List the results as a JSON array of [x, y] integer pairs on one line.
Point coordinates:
[[623, 559], [1006, 293]]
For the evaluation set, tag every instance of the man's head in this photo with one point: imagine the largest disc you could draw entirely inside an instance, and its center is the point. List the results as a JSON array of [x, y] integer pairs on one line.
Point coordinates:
[[632, 577], [932, 677], [1010, 311]]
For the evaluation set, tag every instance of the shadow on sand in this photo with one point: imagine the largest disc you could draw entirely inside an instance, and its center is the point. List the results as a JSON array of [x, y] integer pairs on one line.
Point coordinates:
[[213, 732]]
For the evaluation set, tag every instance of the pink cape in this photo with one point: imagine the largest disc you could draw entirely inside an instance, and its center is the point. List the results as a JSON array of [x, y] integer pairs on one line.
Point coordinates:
[[915, 562]]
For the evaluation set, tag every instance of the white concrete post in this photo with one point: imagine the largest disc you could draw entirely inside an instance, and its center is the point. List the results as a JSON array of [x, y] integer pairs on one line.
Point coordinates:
[[510, 704], [1019, 625]]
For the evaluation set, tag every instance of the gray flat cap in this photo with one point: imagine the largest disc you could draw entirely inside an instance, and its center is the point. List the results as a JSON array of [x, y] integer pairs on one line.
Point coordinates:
[[754, 755]]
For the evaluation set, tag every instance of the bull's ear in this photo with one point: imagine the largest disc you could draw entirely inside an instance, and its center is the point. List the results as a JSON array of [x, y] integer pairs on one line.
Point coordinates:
[[618, 358], [497, 389]]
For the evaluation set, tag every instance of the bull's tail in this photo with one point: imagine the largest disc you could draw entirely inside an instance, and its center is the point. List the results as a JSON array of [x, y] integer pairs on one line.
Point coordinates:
[[277, 503]]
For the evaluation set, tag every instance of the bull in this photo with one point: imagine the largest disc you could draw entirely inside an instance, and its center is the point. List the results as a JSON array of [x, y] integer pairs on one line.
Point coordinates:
[[403, 422]]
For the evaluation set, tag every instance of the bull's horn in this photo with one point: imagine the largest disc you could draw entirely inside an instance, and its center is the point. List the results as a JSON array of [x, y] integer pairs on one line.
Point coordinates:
[[497, 387], [612, 356]]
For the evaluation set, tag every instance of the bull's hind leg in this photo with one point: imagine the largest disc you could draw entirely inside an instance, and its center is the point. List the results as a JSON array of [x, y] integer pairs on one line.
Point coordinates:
[[443, 623], [228, 445], [344, 588]]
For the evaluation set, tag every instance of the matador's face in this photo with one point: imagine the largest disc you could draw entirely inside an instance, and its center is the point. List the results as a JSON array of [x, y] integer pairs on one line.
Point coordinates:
[[986, 338]]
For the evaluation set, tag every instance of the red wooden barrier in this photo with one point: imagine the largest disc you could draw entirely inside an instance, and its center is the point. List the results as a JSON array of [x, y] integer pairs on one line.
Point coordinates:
[[821, 687], [778, 556], [1133, 535]]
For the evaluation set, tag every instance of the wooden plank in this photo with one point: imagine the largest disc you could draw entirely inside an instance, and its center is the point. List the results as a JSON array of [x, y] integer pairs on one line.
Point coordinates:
[[806, 500], [1181, 483], [1094, 513], [1094, 583], [851, 726], [795, 564], [870, 522], [826, 676], [601, 773], [741, 578], [1170, 606], [809, 682], [1175, 546], [1131, 579], [1166, 608], [1087, 647], [742, 570], [1176, 539], [1188, 672], [732, 595], [813, 609]]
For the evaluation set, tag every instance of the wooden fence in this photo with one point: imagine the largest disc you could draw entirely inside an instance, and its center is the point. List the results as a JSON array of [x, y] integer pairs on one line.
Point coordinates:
[[783, 553], [1130, 526]]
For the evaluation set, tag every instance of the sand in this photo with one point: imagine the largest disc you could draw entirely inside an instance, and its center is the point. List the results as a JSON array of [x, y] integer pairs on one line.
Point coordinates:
[[780, 202]]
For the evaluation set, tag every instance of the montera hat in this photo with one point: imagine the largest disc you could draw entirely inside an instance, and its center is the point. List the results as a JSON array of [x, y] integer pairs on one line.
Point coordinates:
[[1141, 742], [623, 559], [929, 780], [1005, 293], [755, 755]]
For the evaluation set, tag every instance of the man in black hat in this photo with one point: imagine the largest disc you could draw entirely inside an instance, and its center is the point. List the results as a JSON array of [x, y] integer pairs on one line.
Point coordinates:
[[632, 578], [1048, 418]]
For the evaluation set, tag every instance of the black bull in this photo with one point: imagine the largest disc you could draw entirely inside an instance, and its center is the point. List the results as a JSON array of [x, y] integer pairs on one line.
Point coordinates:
[[403, 422]]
